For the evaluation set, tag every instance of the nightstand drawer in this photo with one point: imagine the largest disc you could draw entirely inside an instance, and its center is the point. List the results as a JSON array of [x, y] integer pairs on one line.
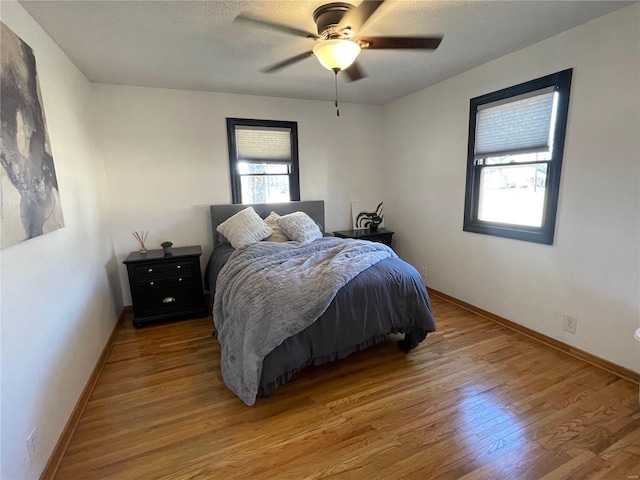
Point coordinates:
[[381, 235], [153, 283], [386, 239], [166, 300], [165, 267]]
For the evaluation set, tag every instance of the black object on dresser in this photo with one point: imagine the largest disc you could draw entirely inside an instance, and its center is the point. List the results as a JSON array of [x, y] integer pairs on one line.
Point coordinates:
[[380, 235], [166, 287]]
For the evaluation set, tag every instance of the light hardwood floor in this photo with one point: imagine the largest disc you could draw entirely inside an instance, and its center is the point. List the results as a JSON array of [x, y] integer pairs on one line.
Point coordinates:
[[475, 400]]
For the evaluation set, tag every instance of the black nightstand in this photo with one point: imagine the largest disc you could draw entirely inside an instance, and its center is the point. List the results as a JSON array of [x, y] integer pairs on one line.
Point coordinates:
[[166, 287], [381, 235]]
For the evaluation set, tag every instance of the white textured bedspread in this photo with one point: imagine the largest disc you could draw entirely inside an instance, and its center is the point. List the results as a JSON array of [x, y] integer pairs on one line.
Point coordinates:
[[270, 291]]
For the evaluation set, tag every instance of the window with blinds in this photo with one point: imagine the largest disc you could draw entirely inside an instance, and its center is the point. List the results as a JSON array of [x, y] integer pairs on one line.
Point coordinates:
[[516, 143], [518, 126], [263, 160]]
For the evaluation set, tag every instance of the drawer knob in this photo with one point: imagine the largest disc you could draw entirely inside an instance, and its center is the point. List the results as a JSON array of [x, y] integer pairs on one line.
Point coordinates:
[[150, 270], [179, 279], [168, 300], [151, 283], [179, 266]]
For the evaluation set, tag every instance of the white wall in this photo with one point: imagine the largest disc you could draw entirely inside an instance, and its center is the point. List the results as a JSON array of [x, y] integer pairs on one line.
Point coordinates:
[[56, 301], [167, 159], [592, 270]]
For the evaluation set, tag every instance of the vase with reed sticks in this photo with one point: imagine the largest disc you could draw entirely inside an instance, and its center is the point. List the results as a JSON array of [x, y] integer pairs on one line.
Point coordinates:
[[141, 237]]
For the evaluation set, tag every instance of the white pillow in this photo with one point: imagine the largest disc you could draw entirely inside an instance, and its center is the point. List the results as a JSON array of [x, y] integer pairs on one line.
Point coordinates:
[[272, 222], [244, 228], [299, 226]]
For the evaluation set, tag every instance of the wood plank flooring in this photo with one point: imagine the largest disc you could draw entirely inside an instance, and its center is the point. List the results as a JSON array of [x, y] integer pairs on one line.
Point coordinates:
[[474, 401]]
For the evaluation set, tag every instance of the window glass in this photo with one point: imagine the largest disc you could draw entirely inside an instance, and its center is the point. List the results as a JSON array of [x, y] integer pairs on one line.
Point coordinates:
[[265, 189], [513, 194], [245, 168]]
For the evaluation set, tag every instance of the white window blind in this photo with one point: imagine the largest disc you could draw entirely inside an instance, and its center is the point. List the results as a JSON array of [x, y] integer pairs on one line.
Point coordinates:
[[515, 126], [259, 144]]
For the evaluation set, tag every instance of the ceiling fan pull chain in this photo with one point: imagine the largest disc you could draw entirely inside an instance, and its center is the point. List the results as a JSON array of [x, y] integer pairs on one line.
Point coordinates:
[[336, 79]]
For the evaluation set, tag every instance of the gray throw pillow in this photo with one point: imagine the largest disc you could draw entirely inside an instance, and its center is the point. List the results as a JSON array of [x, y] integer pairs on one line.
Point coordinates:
[[299, 226], [244, 228]]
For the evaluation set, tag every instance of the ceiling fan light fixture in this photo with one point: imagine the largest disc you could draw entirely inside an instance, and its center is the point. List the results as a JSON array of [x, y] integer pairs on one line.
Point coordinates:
[[336, 53]]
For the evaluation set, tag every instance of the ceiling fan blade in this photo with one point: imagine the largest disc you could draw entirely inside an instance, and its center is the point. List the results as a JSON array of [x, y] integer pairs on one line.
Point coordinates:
[[420, 43], [354, 72], [357, 17], [287, 62], [274, 26]]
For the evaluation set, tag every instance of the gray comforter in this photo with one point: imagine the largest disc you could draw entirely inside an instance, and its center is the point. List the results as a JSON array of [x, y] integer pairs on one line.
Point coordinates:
[[268, 292]]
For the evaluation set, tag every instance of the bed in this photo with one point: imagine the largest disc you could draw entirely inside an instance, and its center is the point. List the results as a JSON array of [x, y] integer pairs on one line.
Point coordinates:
[[387, 297]]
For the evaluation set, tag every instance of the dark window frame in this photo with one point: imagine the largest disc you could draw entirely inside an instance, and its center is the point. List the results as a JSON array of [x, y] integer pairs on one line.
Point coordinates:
[[294, 175], [561, 82]]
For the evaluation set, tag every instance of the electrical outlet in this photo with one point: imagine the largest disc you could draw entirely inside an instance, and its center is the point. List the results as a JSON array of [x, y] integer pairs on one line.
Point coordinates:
[[569, 324], [32, 445], [423, 271]]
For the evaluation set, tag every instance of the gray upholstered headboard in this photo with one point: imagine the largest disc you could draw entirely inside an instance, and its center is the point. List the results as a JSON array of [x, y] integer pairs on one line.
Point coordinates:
[[313, 208]]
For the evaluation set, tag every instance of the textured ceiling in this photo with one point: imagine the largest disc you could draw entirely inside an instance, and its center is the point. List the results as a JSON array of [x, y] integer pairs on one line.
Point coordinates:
[[195, 46]]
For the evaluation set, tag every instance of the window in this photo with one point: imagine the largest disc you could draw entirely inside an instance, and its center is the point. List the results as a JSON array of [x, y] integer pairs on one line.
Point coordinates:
[[263, 160], [516, 141]]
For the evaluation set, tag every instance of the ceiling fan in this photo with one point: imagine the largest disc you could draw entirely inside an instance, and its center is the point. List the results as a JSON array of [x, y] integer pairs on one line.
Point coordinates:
[[338, 39]]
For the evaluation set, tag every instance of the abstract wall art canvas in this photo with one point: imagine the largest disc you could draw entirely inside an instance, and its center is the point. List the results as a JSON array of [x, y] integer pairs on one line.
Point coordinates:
[[362, 211], [29, 197]]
